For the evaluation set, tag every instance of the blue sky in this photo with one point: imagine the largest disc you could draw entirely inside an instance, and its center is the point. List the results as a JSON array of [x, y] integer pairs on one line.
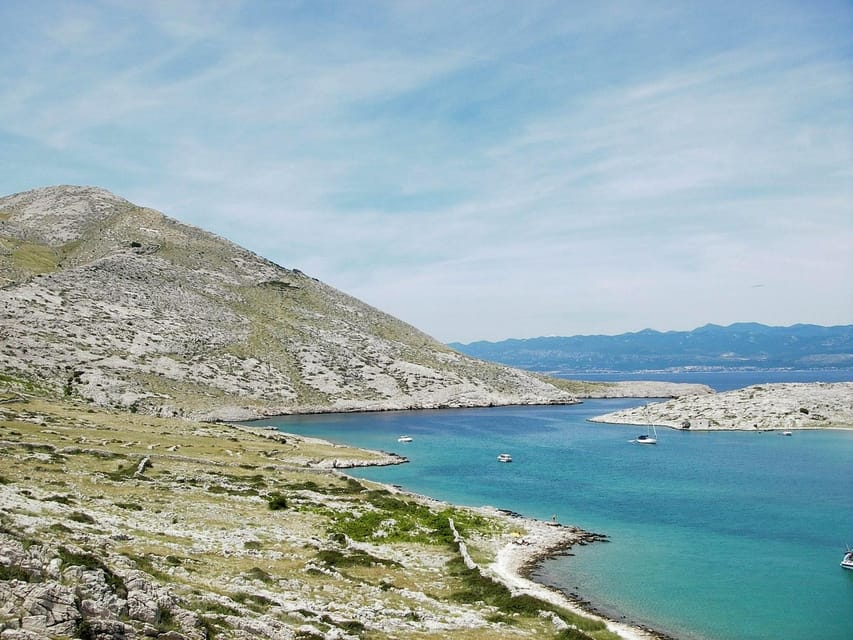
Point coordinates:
[[481, 170]]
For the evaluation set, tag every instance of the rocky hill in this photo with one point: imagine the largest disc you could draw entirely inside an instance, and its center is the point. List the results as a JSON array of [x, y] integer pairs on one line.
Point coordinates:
[[121, 306]]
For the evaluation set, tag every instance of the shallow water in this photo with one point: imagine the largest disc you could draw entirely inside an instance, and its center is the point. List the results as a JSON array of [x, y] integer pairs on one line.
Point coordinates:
[[720, 536]]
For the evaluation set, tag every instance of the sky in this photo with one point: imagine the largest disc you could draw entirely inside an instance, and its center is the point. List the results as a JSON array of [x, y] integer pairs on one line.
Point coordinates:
[[480, 170]]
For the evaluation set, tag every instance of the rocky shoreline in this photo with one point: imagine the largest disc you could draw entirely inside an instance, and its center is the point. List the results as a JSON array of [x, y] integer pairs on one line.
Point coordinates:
[[765, 407], [517, 555], [115, 525]]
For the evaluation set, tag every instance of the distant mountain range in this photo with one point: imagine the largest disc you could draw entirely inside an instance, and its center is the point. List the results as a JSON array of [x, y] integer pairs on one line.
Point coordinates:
[[737, 346]]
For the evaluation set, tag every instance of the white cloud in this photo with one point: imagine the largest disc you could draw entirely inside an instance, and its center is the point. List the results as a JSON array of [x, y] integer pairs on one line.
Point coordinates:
[[482, 170]]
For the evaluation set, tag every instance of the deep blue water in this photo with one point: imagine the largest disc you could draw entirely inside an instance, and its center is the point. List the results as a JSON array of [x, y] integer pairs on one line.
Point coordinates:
[[719, 536]]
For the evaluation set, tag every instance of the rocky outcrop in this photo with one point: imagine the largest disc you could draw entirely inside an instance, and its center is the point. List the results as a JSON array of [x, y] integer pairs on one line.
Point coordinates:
[[49, 591], [121, 306], [783, 406]]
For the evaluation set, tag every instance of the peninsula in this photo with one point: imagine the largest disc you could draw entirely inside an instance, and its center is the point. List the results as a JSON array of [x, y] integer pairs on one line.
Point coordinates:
[[780, 406]]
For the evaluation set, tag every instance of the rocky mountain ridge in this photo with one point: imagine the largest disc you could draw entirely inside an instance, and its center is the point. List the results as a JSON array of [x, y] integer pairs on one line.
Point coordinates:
[[743, 345], [121, 306]]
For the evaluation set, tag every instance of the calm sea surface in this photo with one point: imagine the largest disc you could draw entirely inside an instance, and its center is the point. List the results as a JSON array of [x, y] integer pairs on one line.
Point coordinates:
[[718, 536]]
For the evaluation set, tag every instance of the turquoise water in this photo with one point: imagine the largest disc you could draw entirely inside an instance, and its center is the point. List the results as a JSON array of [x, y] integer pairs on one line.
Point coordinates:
[[718, 536]]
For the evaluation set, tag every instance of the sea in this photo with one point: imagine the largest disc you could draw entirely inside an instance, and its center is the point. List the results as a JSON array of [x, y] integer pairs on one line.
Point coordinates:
[[712, 535]]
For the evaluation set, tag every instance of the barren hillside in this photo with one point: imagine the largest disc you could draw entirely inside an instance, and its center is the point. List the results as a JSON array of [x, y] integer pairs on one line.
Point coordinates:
[[122, 306]]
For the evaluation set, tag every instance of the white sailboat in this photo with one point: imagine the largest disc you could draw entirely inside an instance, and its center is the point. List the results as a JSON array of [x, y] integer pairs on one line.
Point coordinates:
[[648, 438]]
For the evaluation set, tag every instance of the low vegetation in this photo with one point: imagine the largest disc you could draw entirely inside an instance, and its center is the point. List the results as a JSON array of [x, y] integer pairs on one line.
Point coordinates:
[[229, 524]]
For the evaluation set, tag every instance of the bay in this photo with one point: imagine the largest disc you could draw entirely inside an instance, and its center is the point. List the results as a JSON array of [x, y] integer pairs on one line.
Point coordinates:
[[714, 536]]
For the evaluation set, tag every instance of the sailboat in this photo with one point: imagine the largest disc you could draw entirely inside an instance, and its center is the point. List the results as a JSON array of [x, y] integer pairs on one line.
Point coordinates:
[[648, 438]]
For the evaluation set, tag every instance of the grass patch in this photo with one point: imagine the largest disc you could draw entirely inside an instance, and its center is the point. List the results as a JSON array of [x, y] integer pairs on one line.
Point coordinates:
[[58, 527], [130, 506], [395, 520], [255, 602], [79, 516], [256, 573], [16, 573], [146, 564], [479, 588], [122, 473], [353, 558], [216, 608]]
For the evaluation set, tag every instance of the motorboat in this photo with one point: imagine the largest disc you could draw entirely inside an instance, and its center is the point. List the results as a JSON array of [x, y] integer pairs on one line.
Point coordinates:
[[504, 457], [404, 439], [847, 560]]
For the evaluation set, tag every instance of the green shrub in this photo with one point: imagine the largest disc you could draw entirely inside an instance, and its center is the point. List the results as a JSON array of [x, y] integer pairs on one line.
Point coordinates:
[[84, 630], [276, 501], [256, 573], [15, 573], [79, 516], [166, 621]]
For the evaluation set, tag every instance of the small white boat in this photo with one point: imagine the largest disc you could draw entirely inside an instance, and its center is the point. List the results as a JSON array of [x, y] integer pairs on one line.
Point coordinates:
[[404, 439], [787, 433], [648, 438], [847, 560], [504, 457]]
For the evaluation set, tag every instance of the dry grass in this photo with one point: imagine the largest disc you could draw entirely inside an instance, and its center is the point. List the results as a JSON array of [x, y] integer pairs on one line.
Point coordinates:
[[198, 519]]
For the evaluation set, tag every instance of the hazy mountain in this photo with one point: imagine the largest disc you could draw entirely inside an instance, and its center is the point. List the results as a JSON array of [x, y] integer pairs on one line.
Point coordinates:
[[741, 345], [119, 305]]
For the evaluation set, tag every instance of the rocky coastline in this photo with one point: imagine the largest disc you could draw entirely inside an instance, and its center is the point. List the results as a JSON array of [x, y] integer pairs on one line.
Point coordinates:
[[114, 525], [765, 407]]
